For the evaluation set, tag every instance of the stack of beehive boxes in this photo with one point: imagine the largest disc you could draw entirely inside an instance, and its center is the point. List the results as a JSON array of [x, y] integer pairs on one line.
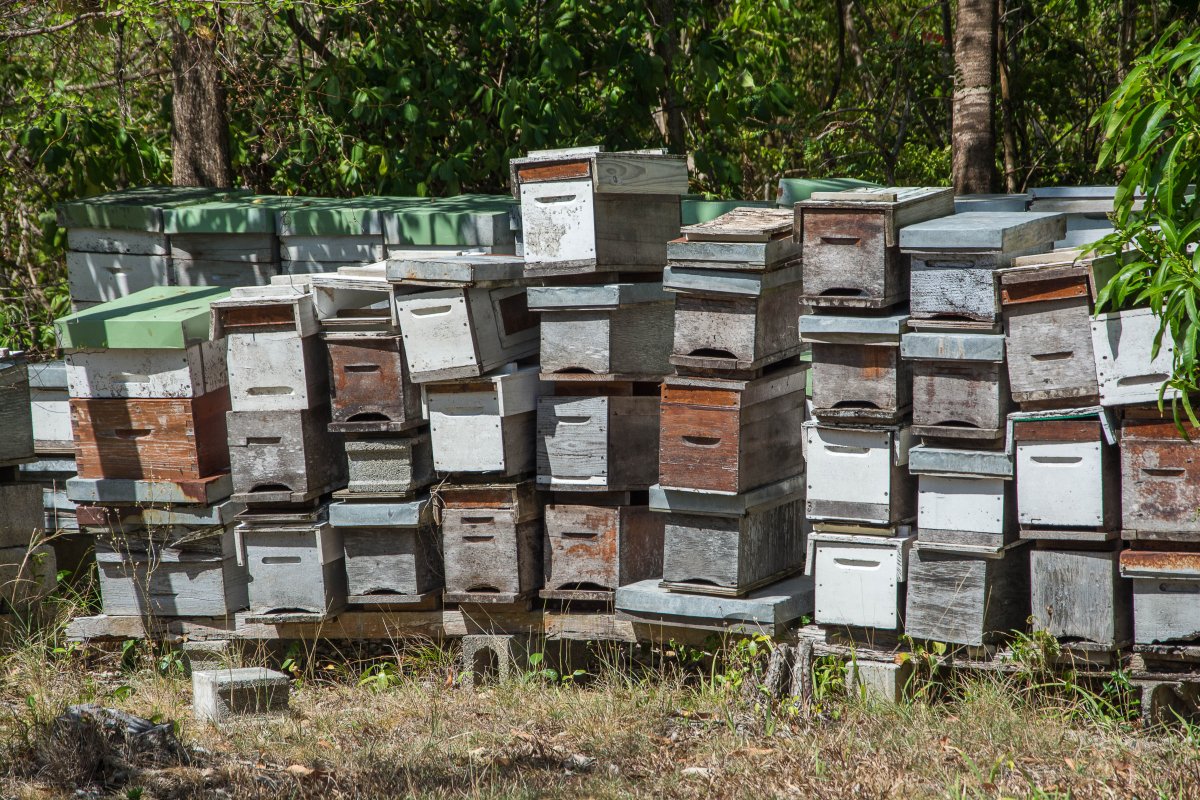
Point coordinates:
[[968, 577], [283, 458], [596, 227], [861, 498], [1065, 449], [731, 465], [117, 243], [148, 401]]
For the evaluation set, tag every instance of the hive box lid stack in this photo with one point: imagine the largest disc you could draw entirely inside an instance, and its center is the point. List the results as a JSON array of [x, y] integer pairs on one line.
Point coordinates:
[[149, 395], [285, 461], [473, 223], [1086, 208], [226, 242], [117, 243], [861, 497], [321, 234]]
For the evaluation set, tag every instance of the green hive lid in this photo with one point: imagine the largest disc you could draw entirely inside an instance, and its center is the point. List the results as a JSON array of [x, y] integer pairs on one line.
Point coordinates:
[[695, 209], [464, 220], [793, 190], [251, 214], [167, 317], [139, 209], [341, 216]]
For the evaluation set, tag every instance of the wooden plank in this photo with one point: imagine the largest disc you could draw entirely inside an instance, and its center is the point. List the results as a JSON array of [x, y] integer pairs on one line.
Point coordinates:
[[747, 224]]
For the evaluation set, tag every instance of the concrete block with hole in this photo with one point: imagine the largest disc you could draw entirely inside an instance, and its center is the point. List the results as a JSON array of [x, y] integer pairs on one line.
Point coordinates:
[[497, 657], [218, 694], [881, 682], [1168, 702], [211, 654]]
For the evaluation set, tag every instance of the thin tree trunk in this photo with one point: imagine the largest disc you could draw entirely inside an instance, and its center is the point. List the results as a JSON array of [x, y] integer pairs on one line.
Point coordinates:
[[670, 116], [1006, 60], [974, 141], [1128, 32], [199, 121]]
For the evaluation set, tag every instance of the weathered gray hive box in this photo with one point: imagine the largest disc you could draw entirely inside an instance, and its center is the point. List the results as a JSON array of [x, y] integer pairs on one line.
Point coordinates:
[[21, 514], [395, 464], [851, 243], [371, 390], [960, 384], [16, 414], [736, 544], [392, 550], [27, 575], [450, 271], [325, 233], [204, 491], [194, 574], [227, 243], [964, 595], [355, 299], [857, 372], [992, 203], [591, 550], [1047, 301], [476, 222], [621, 330], [485, 424], [715, 330], [964, 497], [732, 436], [466, 332], [491, 542], [745, 239], [859, 474], [1080, 595], [859, 580], [954, 259], [1122, 342], [769, 610], [294, 567], [1166, 595], [1068, 475], [221, 693], [584, 210], [599, 442], [284, 456], [50, 408], [1160, 477]]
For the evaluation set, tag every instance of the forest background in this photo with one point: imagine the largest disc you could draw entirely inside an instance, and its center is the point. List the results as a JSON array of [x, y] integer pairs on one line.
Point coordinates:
[[415, 97]]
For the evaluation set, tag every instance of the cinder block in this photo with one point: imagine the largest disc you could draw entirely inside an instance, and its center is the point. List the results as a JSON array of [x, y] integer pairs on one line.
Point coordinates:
[[220, 693], [213, 654], [878, 681], [497, 657]]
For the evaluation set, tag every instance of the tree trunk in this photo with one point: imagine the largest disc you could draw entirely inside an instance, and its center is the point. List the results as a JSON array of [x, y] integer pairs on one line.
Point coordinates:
[[974, 139], [1127, 37], [1006, 53], [199, 122], [670, 116]]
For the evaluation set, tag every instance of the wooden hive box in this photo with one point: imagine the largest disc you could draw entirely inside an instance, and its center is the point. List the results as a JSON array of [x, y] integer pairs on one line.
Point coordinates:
[[1080, 595], [604, 439], [391, 465], [212, 489], [989, 203], [16, 413], [851, 241], [1160, 478], [1122, 342], [1068, 479], [1047, 301], [857, 372], [465, 333], [196, 574], [485, 425], [859, 474], [960, 385], [456, 270], [491, 542], [726, 320], [583, 210], [277, 371], [139, 439], [622, 331], [325, 233], [251, 310], [732, 545], [225, 248], [371, 391], [859, 580], [746, 239], [969, 596], [133, 211], [1166, 595], [150, 373], [732, 436], [965, 498], [23, 520], [355, 299], [284, 456], [1086, 208], [477, 222], [393, 553], [294, 567], [27, 576], [101, 277], [591, 550], [223, 274], [954, 260], [50, 408]]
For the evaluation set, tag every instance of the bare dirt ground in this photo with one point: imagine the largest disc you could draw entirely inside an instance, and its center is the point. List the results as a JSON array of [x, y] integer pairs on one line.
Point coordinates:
[[688, 726]]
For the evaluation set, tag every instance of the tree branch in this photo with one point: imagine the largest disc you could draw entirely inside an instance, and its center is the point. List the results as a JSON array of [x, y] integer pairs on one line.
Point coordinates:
[[305, 35], [25, 33]]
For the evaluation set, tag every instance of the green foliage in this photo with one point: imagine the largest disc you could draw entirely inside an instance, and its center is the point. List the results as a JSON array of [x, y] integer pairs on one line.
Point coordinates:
[[1152, 131]]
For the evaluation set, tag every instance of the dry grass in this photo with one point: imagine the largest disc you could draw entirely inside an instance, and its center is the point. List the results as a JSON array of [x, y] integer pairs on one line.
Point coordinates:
[[665, 733]]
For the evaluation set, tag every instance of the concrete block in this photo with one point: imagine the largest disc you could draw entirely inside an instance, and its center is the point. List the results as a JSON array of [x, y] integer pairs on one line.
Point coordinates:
[[494, 657], [214, 654], [220, 693], [878, 681]]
